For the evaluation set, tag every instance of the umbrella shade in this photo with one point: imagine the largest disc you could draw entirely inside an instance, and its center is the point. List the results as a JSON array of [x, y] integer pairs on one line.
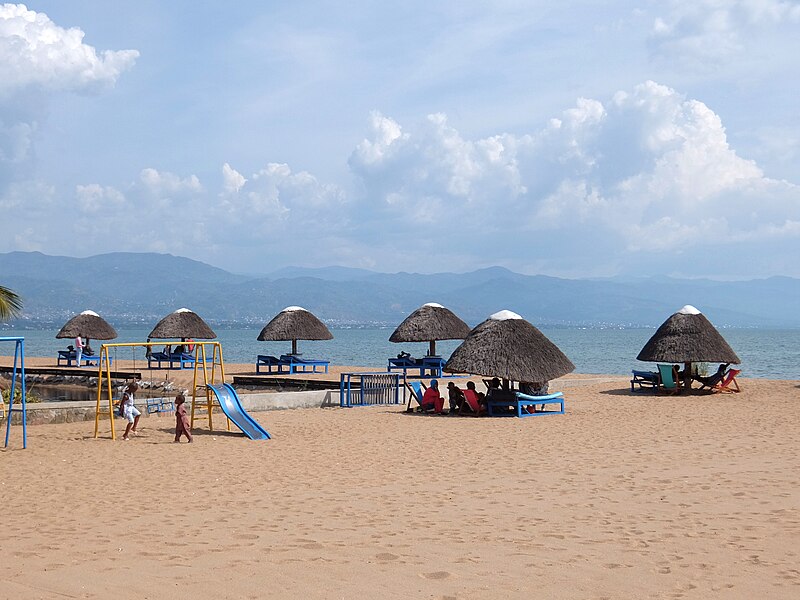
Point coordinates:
[[88, 325], [687, 336], [428, 323], [294, 323], [183, 323], [505, 345]]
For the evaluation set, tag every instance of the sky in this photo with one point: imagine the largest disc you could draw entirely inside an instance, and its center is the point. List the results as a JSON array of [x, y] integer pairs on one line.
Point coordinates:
[[572, 139]]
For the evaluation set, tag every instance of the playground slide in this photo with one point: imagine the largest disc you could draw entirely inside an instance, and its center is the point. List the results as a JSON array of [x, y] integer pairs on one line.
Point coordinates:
[[232, 407]]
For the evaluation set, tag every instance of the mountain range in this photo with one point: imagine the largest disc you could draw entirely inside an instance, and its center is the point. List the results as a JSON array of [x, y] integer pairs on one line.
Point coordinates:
[[140, 288]]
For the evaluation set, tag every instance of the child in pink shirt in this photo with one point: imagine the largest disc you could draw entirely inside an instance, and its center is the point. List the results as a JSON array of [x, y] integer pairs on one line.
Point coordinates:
[[182, 426]]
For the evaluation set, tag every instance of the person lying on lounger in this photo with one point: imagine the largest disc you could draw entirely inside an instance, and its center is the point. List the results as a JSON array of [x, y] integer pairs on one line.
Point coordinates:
[[714, 379]]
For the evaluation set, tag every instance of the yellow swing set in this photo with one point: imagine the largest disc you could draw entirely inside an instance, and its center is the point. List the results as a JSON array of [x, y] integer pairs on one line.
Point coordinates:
[[201, 362]]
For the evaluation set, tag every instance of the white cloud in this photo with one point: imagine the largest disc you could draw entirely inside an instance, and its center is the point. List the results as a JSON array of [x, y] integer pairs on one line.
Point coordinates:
[[166, 186], [38, 59], [649, 171], [37, 53], [711, 31], [232, 179], [94, 198]]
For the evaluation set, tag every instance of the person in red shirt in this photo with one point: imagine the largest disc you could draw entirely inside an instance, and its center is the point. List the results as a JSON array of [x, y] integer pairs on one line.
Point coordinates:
[[472, 405], [432, 399]]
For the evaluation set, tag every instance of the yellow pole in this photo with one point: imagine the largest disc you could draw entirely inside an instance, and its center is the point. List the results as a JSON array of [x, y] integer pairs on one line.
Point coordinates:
[[99, 392], [194, 382], [110, 395]]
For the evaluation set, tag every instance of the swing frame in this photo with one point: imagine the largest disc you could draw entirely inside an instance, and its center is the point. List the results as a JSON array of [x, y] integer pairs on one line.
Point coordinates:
[[209, 375]]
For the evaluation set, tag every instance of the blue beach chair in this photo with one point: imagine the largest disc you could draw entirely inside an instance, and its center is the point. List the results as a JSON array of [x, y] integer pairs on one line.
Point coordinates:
[[669, 379]]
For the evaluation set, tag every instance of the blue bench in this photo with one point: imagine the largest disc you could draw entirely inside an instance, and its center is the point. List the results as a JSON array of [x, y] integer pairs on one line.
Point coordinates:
[[645, 379], [67, 357], [160, 405], [181, 359], [517, 404], [434, 364]]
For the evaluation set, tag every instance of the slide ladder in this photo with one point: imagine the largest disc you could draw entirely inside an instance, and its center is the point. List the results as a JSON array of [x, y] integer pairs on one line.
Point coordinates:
[[233, 409]]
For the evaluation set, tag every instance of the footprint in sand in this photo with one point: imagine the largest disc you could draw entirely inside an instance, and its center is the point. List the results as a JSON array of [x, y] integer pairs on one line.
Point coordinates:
[[436, 575], [386, 556]]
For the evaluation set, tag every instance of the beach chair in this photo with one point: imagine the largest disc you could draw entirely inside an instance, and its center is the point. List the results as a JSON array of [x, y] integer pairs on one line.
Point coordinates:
[[403, 363], [306, 365], [434, 364], [729, 384], [157, 357], [644, 379], [417, 392], [508, 403], [302, 365], [268, 361], [65, 357], [712, 380], [668, 379]]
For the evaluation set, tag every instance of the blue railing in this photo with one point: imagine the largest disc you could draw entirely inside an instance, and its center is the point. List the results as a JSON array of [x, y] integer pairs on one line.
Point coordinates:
[[368, 389]]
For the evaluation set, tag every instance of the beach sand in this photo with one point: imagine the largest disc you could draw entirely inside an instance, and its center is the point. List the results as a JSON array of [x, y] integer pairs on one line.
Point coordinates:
[[625, 496]]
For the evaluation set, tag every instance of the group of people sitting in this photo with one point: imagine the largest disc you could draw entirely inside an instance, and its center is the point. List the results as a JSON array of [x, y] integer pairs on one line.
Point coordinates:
[[470, 401]]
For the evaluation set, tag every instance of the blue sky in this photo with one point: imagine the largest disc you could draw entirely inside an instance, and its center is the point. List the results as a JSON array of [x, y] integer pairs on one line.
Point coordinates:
[[573, 140]]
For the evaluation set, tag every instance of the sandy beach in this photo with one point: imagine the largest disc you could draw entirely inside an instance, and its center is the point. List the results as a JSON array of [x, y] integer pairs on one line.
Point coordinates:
[[625, 496]]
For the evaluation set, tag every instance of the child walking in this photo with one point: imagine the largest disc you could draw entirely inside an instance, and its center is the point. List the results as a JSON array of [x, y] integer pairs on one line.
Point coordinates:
[[181, 420], [129, 410]]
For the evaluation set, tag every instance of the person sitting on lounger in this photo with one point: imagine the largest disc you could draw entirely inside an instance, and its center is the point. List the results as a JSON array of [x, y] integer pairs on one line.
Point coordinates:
[[472, 401], [455, 397], [534, 389], [432, 399]]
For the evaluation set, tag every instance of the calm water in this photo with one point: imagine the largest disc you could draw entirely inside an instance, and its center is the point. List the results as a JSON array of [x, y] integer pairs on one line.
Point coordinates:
[[771, 354]]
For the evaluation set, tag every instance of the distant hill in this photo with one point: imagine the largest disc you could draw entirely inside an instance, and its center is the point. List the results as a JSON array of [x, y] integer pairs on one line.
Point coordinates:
[[139, 288]]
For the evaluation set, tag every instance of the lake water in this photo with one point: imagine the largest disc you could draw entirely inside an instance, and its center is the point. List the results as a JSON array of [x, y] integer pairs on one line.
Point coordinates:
[[773, 354]]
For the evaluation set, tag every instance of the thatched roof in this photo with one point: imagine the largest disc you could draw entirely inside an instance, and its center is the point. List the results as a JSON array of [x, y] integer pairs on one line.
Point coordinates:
[[687, 336], [294, 323], [88, 325], [428, 323], [505, 345], [183, 323]]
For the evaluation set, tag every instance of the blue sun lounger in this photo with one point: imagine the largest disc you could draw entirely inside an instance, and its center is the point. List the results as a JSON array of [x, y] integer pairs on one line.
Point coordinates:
[[434, 364], [304, 365], [270, 362], [508, 403], [645, 379], [67, 357]]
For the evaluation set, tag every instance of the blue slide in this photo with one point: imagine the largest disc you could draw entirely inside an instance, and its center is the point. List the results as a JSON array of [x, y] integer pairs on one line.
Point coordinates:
[[232, 407]]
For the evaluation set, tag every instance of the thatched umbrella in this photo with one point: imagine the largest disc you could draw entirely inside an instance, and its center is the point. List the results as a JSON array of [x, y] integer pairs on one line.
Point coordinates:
[[184, 324], [687, 337], [294, 323], [430, 322], [88, 325], [505, 345]]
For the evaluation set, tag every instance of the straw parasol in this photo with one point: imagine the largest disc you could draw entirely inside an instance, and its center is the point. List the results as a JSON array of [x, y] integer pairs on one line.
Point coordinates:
[[88, 325], [687, 337], [505, 345], [183, 323], [430, 322], [294, 323]]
